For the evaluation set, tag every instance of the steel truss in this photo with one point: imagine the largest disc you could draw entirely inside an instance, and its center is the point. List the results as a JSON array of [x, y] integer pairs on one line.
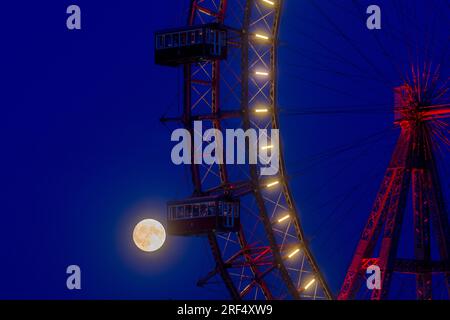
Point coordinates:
[[412, 168]]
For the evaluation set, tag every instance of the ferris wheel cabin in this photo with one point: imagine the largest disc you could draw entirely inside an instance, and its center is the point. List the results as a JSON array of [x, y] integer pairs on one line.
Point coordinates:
[[199, 216], [192, 44]]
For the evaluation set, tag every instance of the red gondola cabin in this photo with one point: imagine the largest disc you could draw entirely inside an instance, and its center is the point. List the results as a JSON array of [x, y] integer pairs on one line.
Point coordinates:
[[192, 44], [198, 216]]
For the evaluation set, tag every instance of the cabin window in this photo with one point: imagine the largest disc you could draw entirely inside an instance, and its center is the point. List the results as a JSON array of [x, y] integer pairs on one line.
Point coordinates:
[[230, 210], [191, 37], [210, 36], [211, 210], [188, 211], [226, 209], [183, 37], [180, 212], [168, 40], [195, 210], [203, 210], [199, 36], [176, 40]]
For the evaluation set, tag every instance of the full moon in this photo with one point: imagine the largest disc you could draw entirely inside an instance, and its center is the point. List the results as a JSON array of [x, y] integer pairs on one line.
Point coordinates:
[[149, 235]]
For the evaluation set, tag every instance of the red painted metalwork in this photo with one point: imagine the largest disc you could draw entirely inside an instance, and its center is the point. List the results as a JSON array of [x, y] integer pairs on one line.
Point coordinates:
[[412, 166]]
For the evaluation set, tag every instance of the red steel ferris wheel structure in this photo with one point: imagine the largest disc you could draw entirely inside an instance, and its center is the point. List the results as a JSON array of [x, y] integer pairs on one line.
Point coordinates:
[[268, 257], [279, 265], [419, 110]]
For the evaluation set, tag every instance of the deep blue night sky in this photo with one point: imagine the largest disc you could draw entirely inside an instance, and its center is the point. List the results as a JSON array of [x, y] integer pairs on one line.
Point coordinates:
[[84, 157]]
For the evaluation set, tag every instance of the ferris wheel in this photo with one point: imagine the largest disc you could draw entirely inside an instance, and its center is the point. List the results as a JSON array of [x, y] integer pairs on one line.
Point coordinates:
[[229, 54], [263, 254]]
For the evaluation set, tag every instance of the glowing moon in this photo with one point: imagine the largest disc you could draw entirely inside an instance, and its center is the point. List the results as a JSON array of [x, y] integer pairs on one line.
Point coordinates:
[[149, 235]]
